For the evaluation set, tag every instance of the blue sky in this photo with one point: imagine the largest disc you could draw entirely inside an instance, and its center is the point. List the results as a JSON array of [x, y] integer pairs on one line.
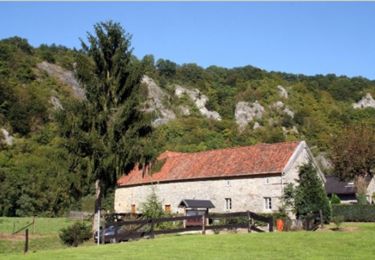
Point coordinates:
[[296, 37]]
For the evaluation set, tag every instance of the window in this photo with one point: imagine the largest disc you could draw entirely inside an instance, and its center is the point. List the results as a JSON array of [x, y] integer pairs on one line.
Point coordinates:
[[267, 203], [167, 208], [228, 203], [133, 209]]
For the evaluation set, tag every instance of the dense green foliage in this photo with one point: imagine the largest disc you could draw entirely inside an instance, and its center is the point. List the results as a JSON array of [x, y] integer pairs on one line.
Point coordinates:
[[75, 234], [355, 212], [335, 199], [46, 173], [35, 178], [309, 196]]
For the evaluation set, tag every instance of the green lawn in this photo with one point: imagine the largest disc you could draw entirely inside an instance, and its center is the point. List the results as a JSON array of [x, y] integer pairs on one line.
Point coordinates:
[[356, 242], [44, 235], [42, 225]]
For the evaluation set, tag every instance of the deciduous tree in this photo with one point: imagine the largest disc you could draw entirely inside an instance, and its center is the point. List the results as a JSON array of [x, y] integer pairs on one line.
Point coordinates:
[[353, 154]]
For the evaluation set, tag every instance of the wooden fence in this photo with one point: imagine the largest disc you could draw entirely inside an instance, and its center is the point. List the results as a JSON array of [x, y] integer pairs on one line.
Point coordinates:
[[26, 228], [134, 229]]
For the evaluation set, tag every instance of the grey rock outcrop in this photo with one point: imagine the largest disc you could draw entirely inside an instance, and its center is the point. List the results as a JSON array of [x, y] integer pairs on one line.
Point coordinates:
[[366, 101], [292, 130], [282, 91], [279, 105], [199, 100], [246, 112], [256, 126], [6, 137], [154, 103], [288, 112], [184, 110], [64, 76], [56, 103]]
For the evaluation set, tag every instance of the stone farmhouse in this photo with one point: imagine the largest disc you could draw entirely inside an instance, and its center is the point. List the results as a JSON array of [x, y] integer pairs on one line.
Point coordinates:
[[233, 179]]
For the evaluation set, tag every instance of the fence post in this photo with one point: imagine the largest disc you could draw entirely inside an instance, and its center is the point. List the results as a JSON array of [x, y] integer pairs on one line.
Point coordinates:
[[270, 224], [152, 235], [321, 218], [116, 234], [204, 223], [26, 241], [33, 224], [103, 234], [249, 222]]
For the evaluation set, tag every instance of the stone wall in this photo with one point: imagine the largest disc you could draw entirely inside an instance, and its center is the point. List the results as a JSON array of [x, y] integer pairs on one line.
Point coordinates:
[[371, 190], [246, 193]]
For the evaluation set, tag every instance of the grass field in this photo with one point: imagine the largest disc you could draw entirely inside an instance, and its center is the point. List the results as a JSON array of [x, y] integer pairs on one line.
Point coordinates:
[[356, 241], [42, 225], [43, 235]]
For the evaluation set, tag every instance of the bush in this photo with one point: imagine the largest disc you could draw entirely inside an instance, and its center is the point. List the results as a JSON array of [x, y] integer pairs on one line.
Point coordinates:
[[355, 213], [337, 220], [335, 199], [152, 208], [75, 234], [361, 199]]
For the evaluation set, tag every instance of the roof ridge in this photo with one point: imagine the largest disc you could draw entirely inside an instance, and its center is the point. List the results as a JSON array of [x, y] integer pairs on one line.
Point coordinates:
[[229, 148]]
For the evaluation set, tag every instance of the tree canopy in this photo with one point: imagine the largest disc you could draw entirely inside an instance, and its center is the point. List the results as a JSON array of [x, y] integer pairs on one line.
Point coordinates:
[[353, 154]]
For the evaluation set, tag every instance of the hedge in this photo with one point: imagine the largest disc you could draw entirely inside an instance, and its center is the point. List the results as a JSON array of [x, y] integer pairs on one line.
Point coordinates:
[[355, 213]]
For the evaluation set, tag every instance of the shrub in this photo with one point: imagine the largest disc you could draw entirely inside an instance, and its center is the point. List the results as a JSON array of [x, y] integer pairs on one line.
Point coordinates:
[[361, 198], [75, 234], [355, 213], [152, 208], [338, 221], [335, 199]]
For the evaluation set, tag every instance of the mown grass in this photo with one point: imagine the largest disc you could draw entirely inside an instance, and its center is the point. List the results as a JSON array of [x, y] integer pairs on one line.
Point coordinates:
[[42, 225], [43, 235], [355, 242]]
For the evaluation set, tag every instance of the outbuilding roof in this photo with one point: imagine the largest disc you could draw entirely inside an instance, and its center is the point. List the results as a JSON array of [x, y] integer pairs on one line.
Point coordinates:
[[196, 204], [259, 159], [334, 185]]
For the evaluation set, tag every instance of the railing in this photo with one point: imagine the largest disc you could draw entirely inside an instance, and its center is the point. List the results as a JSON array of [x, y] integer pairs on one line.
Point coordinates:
[[134, 229]]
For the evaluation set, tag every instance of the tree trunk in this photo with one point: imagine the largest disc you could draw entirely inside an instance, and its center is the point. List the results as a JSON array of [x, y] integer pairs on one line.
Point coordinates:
[[98, 203], [361, 184]]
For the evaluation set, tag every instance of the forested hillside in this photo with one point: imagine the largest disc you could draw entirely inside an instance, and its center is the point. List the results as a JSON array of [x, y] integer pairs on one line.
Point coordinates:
[[193, 109]]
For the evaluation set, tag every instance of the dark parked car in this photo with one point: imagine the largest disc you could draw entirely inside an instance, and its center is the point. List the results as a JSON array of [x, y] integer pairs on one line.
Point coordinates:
[[109, 232], [123, 235]]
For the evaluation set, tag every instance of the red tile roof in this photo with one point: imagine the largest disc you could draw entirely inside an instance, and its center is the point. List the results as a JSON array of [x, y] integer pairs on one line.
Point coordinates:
[[231, 162]]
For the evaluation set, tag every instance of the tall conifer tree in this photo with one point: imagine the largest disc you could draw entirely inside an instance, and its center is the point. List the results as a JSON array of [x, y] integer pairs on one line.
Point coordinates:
[[108, 128]]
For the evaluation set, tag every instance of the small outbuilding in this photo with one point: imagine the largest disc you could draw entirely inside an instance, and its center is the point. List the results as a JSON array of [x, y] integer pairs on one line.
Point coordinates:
[[195, 208], [347, 191]]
